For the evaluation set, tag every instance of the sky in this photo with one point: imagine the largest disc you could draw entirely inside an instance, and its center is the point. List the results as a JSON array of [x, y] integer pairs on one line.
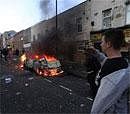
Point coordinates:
[[21, 14]]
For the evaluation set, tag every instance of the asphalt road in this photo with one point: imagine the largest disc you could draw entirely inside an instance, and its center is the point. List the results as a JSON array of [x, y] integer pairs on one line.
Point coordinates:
[[22, 91]]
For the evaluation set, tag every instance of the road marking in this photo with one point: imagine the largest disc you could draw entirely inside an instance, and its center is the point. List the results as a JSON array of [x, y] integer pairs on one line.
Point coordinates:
[[60, 85], [31, 78], [48, 80], [65, 88], [90, 99]]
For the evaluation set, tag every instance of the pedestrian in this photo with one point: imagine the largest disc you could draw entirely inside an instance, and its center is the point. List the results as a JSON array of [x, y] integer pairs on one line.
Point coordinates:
[[0, 52], [17, 52], [113, 77], [93, 66], [5, 53], [9, 53]]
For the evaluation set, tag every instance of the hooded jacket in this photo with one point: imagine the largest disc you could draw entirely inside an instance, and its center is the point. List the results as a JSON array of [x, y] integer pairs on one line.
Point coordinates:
[[112, 95]]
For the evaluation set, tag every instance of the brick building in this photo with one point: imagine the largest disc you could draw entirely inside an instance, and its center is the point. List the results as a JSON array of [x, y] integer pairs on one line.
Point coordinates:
[[17, 40]]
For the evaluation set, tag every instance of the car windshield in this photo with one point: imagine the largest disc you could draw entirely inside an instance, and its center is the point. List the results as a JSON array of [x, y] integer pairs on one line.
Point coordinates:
[[54, 64]]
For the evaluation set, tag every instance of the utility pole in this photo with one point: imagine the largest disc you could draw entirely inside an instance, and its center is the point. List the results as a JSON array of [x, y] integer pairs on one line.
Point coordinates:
[[56, 16], [56, 28]]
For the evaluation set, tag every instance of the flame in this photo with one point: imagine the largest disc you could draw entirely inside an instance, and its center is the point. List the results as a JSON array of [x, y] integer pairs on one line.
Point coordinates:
[[36, 56], [50, 58], [49, 72], [21, 66], [53, 72], [23, 58], [46, 71]]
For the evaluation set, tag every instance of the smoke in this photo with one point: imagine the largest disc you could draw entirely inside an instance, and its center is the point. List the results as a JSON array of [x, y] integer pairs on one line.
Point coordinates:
[[47, 8], [50, 43]]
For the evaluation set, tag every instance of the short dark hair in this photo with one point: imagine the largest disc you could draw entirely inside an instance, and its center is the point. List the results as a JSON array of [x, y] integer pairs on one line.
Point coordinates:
[[115, 37]]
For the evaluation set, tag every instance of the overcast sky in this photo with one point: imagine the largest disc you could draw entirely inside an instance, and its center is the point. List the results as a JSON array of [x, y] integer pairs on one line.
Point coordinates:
[[21, 14]]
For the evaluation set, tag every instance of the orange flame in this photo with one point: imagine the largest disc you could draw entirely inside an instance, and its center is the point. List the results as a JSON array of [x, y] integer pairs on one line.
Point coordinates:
[[23, 58], [50, 58], [53, 72], [43, 72], [49, 72], [36, 56]]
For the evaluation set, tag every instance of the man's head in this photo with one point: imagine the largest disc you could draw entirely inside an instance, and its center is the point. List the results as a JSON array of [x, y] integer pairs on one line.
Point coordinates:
[[112, 39]]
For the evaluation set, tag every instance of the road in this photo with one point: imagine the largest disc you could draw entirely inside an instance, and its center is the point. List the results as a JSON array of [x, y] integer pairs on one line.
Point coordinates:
[[23, 91]]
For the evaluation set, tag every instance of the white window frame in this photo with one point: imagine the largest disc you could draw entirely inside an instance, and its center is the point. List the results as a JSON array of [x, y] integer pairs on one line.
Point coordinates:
[[128, 14], [79, 24], [106, 17]]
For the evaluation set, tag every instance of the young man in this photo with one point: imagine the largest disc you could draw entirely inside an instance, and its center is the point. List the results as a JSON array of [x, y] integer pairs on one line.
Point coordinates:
[[113, 78]]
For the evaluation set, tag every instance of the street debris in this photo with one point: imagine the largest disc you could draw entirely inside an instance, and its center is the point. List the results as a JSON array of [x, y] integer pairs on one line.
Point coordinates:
[[70, 93], [81, 105], [8, 80], [61, 106], [31, 78], [18, 93], [26, 84]]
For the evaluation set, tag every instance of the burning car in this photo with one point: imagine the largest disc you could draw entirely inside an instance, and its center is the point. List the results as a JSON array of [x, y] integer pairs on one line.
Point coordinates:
[[44, 65]]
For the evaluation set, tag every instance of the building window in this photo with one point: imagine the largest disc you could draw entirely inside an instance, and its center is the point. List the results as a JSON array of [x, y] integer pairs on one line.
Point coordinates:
[[113, 1], [127, 2], [107, 14], [81, 45], [38, 35], [34, 38], [79, 24], [128, 15], [46, 30]]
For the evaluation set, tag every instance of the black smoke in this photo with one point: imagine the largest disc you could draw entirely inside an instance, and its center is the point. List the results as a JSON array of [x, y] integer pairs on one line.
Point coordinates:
[[47, 8], [50, 43]]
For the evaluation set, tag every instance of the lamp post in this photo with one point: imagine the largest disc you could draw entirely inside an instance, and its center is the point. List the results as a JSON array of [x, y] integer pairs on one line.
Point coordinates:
[[56, 28], [56, 16]]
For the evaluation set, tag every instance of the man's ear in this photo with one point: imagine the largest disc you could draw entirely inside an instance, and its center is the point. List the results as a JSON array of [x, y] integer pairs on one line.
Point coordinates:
[[109, 44]]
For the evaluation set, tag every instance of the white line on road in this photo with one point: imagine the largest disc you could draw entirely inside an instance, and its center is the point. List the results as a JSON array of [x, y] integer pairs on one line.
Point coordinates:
[[48, 80], [65, 88], [90, 99], [59, 85]]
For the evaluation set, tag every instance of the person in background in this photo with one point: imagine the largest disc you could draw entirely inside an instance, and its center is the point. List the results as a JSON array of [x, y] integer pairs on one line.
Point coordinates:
[[93, 66], [17, 52], [113, 78], [5, 53], [23, 51], [0, 52]]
